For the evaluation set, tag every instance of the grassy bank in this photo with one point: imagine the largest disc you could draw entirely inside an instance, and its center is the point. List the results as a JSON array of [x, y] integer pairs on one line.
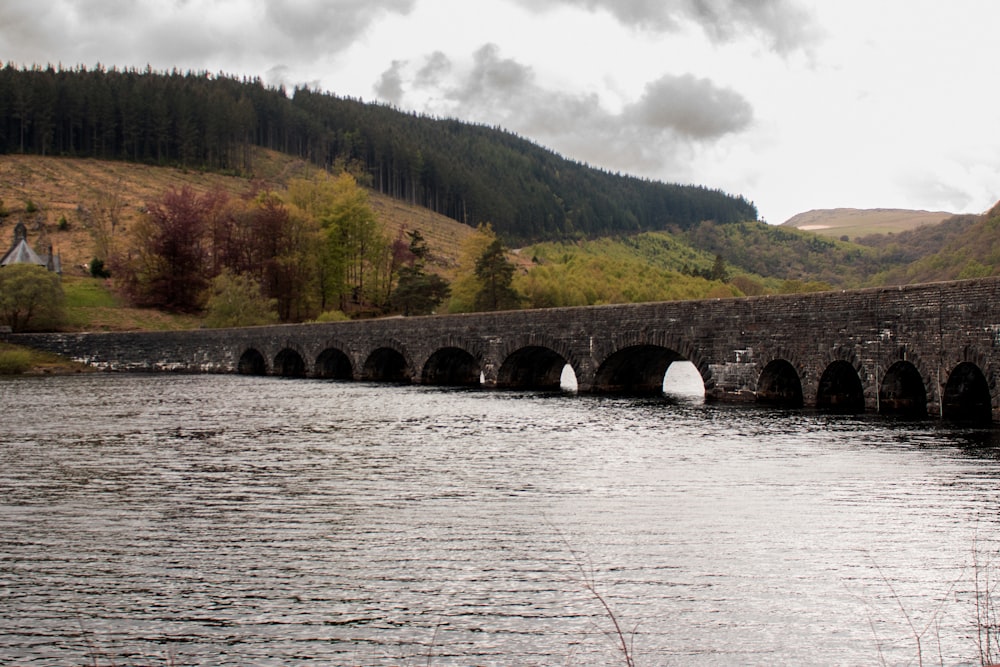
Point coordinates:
[[91, 305], [17, 360]]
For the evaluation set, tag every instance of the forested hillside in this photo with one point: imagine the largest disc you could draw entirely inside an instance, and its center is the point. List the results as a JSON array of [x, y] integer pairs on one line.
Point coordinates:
[[471, 173], [964, 246]]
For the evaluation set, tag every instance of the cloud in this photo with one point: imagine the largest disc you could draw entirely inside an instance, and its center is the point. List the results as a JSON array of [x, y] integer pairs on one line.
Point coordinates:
[[494, 79], [655, 131], [435, 68], [691, 107], [331, 26], [390, 85], [784, 24], [200, 34]]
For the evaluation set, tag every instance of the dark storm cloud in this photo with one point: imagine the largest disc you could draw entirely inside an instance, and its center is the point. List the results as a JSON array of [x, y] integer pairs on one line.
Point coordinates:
[[784, 24]]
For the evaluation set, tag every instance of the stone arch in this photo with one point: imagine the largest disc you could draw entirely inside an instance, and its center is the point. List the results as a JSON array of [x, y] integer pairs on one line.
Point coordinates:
[[532, 367], [289, 363], [451, 366], [252, 362], [636, 369], [967, 396], [903, 391], [388, 362], [534, 362], [780, 384], [334, 364], [678, 349], [840, 389]]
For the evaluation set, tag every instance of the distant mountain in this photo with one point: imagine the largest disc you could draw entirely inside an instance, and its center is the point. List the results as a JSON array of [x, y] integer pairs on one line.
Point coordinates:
[[855, 222], [470, 173]]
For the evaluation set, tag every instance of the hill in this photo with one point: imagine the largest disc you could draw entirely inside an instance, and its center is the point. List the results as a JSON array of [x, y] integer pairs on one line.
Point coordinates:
[[854, 222], [470, 173], [963, 246], [62, 193]]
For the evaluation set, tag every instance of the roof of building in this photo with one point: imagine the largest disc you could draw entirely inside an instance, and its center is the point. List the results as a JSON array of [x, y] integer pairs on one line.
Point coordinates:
[[21, 253]]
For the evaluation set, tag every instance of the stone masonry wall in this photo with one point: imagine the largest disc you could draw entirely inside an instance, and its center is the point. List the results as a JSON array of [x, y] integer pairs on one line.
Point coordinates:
[[935, 327]]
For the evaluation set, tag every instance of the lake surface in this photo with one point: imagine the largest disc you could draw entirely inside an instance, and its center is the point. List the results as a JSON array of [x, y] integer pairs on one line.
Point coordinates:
[[229, 520]]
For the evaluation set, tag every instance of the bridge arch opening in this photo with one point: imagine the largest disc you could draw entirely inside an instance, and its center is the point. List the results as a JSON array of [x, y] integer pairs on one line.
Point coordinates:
[[451, 366], [967, 395], [252, 362], [683, 381], [779, 385], [532, 367], [903, 393], [840, 389], [333, 364], [289, 363], [386, 365], [636, 370], [567, 380]]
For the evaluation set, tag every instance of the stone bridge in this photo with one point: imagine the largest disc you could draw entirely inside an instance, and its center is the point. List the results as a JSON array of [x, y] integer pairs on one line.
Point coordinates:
[[919, 350]]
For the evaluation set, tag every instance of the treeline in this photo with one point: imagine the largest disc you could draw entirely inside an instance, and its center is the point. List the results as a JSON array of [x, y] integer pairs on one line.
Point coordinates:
[[471, 173]]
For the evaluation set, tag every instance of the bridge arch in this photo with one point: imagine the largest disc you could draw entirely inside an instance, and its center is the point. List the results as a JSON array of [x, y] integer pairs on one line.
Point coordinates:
[[903, 392], [677, 349], [780, 384], [636, 369], [289, 363], [532, 362], [451, 366], [840, 389], [967, 395], [252, 362], [334, 364], [532, 367], [388, 362]]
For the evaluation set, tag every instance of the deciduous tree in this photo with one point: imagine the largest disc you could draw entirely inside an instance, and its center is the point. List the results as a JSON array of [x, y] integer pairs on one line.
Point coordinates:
[[466, 284], [31, 298], [236, 301], [168, 264]]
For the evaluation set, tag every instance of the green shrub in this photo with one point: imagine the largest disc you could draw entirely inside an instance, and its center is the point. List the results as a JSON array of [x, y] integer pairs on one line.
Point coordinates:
[[333, 316], [98, 270], [14, 362]]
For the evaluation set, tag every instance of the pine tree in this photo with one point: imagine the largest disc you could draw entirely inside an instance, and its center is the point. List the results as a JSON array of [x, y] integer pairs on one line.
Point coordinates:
[[496, 273]]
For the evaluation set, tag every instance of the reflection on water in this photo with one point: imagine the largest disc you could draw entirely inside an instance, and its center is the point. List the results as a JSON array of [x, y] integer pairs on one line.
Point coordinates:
[[234, 520]]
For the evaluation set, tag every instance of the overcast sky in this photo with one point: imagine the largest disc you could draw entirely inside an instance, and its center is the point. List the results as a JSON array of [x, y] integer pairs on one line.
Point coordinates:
[[794, 104]]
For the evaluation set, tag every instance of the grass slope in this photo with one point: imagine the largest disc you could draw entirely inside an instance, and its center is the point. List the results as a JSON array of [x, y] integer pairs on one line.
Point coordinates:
[[854, 222], [65, 188]]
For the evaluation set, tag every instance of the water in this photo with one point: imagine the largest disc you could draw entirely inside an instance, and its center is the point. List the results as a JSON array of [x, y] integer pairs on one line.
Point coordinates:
[[227, 520]]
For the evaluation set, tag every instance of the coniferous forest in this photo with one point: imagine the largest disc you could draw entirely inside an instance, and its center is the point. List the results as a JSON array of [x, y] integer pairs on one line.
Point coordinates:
[[471, 173]]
